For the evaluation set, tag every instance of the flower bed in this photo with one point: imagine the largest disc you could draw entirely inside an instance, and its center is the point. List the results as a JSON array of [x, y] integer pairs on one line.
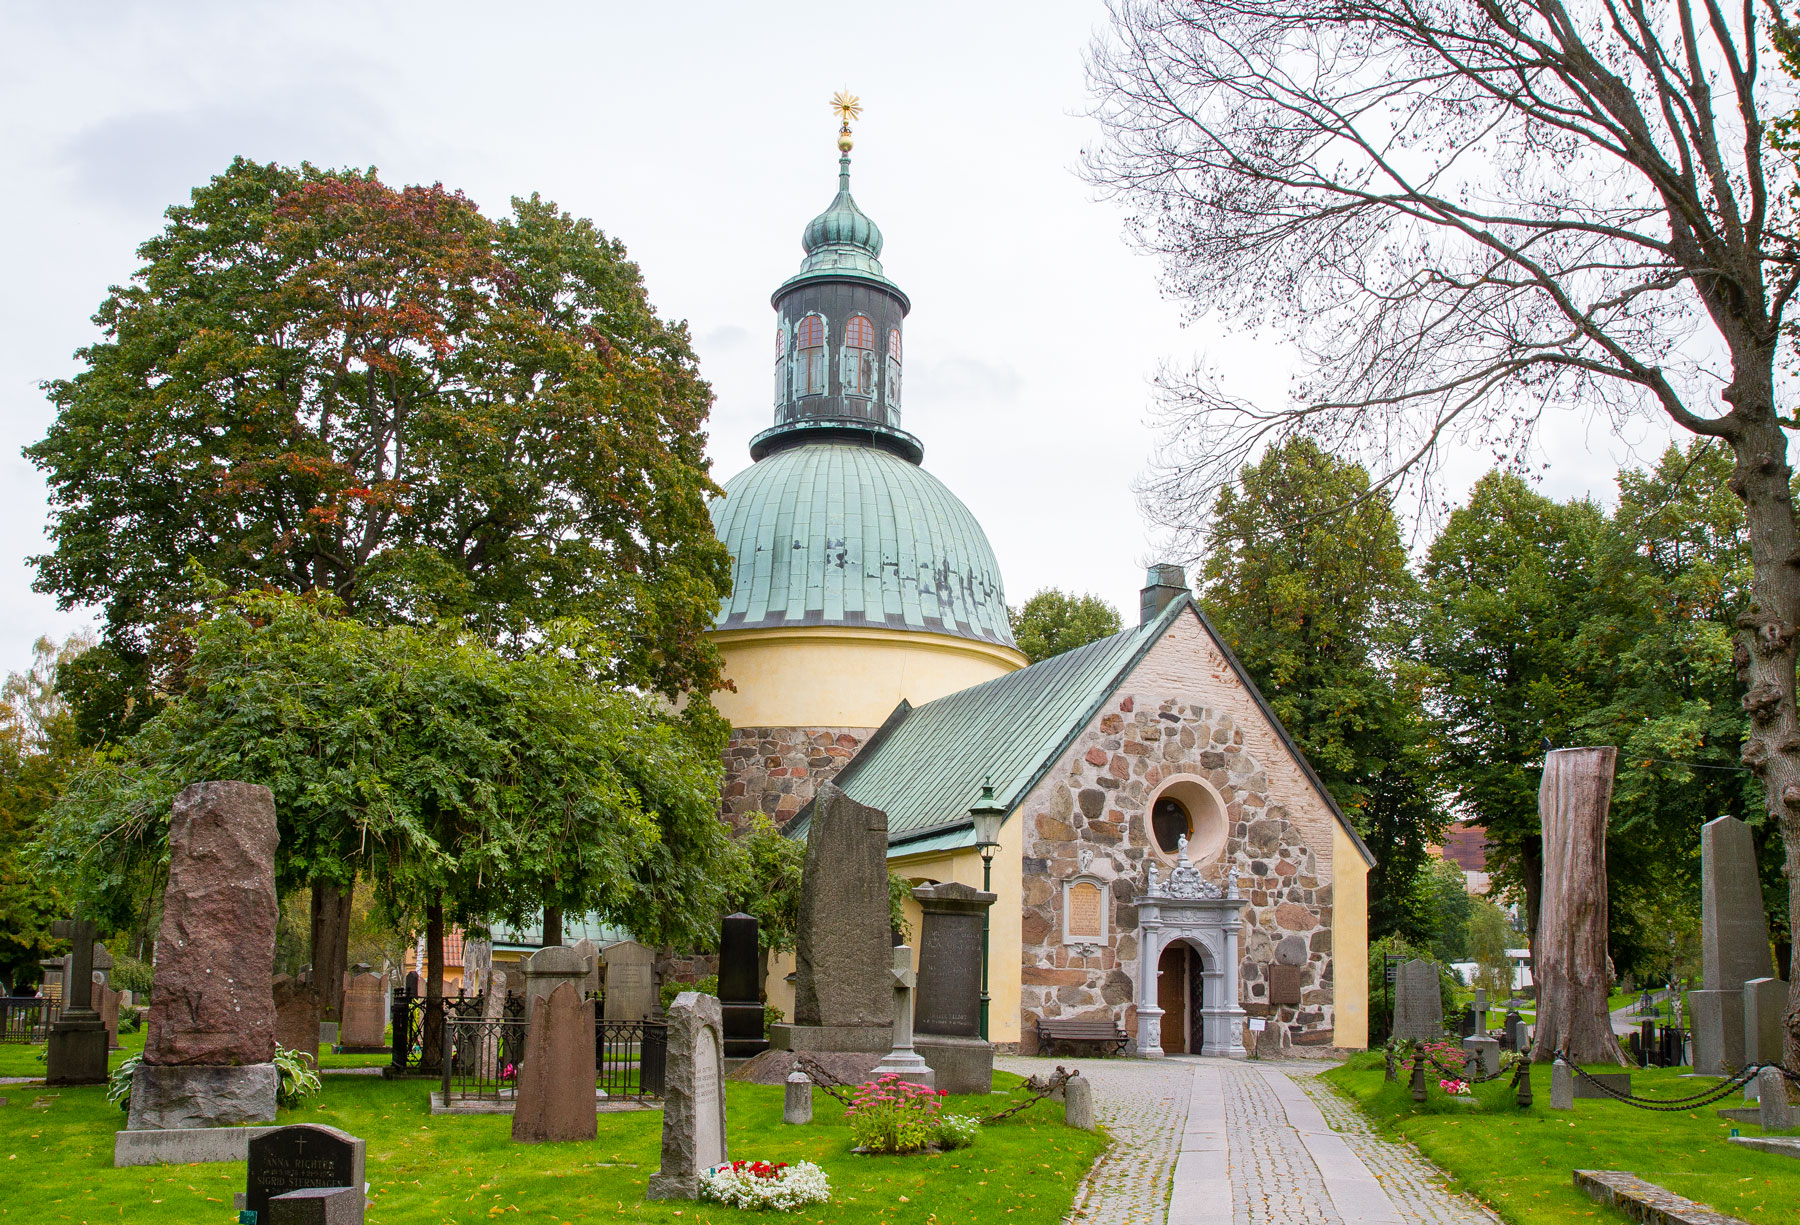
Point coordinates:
[[891, 1115], [763, 1184]]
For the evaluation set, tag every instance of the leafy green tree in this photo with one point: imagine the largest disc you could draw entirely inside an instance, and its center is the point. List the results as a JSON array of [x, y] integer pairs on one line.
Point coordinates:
[[1490, 935], [1444, 896], [1308, 582], [1054, 621]]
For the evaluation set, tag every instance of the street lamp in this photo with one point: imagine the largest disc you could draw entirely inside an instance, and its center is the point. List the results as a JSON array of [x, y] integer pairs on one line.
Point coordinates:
[[987, 816]]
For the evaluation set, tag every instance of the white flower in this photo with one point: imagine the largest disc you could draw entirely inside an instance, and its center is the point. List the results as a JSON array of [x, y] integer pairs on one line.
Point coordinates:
[[782, 1187]]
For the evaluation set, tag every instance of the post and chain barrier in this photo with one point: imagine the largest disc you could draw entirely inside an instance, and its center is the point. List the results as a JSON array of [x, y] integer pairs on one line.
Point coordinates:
[[1706, 1097], [842, 1091]]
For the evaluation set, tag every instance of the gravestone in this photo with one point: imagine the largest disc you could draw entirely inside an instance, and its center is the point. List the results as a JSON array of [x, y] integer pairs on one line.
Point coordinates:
[[1480, 1009], [1418, 1005], [1772, 1099], [556, 1076], [1562, 1086], [287, 1159], [843, 987], [1482, 1054], [76, 1052], [947, 1004], [1734, 944], [796, 1103], [364, 1027], [740, 994], [318, 1206], [1513, 1021], [693, 1137], [546, 970], [902, 1060], [592, 982], [297, 1016], [102, 964], [630, 981], [493, 1009], [478, 964], [106, 1003], [210, 1042], [1765, 1004]]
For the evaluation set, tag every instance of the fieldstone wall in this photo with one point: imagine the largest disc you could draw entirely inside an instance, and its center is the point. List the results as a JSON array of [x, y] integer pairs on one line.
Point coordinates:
[[1090, 815], [776, 769]]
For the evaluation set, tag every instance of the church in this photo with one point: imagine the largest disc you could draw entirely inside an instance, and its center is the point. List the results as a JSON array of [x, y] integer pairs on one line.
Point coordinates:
[[1167, 860]]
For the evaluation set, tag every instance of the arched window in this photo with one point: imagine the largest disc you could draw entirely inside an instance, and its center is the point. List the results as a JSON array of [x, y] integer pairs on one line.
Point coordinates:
[[1170, 822], [893, 370], [809, 356], [780, 364], [859, 357]]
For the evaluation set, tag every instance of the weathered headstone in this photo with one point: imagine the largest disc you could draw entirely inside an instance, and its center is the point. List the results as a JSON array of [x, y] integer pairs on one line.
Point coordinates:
[[293, 1158], [902, 1060], [1765, 1004], [210, 1041], [797, 1103], [1418, 1004], [365, 1013], [693, 1137], [630, 981], [589, 952], [478, 964], [76, 1053], [947, 1005], [1482, 1054], [297, 1016], [1078, 1103], [1513, 1021], [546, 970], [318, 1206], [1772, 1099], [106, 1003], [556, 1077], [843, 987], [493, 1010], [740, 991], [1734, 944], [102, 964], [1562, 1086]]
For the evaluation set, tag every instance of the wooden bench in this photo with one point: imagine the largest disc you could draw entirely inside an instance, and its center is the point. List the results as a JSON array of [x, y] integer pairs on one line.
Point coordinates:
[[1059, 1029]]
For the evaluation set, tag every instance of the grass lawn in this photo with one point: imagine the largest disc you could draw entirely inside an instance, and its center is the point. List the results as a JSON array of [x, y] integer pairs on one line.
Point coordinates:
[[57, 1148], [1519, 1161]]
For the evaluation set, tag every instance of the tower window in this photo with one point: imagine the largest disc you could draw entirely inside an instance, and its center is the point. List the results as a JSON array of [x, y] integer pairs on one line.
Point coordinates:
[[859, 356], [893, 369], [809, 356], [780, 364], [1170, 822]]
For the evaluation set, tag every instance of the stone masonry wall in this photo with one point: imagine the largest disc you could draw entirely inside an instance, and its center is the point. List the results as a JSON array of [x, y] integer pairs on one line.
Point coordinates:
[[777, 769], [1091, 814]]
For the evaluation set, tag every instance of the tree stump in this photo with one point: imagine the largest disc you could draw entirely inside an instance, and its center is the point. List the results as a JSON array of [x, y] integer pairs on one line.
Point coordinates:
[[1569, 962]]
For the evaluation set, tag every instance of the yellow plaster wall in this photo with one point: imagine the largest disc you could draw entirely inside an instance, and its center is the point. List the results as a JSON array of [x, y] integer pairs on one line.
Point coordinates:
[[778, 990], [1004, 936], [846, 676], [1349, 943]]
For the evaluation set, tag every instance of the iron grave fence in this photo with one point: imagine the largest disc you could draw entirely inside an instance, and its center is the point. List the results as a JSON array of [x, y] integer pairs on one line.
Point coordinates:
[[27, 1018]]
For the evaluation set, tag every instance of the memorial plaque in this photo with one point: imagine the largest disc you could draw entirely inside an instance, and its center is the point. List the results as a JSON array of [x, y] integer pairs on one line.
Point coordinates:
[[1086, 903], [947, 1001], [1284, 984], [294, 1158]]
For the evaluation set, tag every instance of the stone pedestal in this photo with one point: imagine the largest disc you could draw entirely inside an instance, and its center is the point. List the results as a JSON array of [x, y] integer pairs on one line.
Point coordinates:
[[1483, 1056], [958, 1065], [201, 1095], [854, 1039], [76, 1054], [1765, 1004], [1718, 1019]]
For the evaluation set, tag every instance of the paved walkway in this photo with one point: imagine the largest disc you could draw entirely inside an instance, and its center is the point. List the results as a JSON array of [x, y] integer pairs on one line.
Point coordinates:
[[1223, 1142]]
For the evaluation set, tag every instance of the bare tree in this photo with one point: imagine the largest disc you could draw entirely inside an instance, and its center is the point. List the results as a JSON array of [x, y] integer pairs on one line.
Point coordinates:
[[1461, 212]]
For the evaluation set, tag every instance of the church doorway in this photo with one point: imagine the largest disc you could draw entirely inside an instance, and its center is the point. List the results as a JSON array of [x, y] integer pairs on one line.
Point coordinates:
[[1180, 993]]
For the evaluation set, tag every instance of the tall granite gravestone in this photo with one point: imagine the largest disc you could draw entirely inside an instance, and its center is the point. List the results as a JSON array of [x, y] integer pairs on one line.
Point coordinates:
[[843, 988], [365, 1013], [1765, 1004], [693, 1136], [947, 1005], [630, 981], [210, 1042], [902, 1060], [740, 994], [1418, 1006], [297, 1016], [1734, 944], [76, 1054], [556, 1076], [285, 1159]]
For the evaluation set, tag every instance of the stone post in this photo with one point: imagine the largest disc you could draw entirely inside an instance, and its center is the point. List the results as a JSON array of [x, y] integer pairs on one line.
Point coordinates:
[[1562, 1086], [797, 1105], [1078, 1103], [1772, 1099]]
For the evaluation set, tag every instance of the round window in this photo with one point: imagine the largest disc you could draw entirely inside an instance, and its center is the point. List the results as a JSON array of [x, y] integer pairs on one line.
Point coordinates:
[[1170, 822]]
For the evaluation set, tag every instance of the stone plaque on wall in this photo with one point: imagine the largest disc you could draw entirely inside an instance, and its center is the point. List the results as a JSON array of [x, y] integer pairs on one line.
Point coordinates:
[[1284, 984], [1084, 912]]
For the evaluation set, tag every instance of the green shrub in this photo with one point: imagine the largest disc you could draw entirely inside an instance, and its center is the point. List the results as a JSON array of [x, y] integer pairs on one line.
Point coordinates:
[[891, 1115], [705, 986], [118, 1084], [130, 974], [298, 1080]]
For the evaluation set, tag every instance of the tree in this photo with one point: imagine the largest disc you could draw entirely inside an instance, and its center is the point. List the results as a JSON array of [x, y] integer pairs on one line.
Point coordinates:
[[319, 382], [1308, 582], [1459, 213], [1444, 896], [1053, 621], [1490, 935]]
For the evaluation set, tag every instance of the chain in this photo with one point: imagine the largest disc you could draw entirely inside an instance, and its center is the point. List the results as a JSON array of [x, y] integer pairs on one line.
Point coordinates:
[[834, 1086], [1458, 1073], [1057, 1080], [1705, 1098]]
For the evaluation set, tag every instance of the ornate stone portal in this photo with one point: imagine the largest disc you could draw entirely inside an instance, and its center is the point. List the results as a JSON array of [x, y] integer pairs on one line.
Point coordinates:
[[1186, 908]]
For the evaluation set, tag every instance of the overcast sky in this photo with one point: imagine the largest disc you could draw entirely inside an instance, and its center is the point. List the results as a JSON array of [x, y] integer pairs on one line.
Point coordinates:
[[700, 135]]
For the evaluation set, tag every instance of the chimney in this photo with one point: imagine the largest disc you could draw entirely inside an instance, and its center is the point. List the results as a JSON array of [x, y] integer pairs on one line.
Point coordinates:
[[1163, 584]]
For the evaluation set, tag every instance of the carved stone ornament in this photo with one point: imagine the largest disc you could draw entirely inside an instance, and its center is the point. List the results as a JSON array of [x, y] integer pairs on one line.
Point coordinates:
[[1184, 881]]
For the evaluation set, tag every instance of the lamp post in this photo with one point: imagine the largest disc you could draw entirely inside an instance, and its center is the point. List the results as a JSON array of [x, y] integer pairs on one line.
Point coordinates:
[[987, 816]]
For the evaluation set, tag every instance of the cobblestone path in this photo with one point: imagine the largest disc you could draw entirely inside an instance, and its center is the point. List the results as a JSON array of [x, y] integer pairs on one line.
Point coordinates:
[[1218, 1142]]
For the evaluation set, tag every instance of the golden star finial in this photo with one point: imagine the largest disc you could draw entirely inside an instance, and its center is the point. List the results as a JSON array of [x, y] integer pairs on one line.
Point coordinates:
[[848, 106]]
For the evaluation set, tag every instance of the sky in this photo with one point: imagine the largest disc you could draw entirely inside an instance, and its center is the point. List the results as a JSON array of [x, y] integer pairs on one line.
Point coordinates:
[[701, 136]]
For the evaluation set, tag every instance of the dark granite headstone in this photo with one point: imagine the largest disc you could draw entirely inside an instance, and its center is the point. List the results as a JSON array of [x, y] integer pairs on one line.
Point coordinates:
[[949, 992], [317, 1206], [294, 1158], [76, 1051], [738, 989]]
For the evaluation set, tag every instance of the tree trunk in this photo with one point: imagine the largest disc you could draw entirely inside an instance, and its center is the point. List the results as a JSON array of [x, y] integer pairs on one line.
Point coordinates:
[[1531, 867], [434, 951], [553, 933], [1765, 649], [1570, 960], [331, 944]]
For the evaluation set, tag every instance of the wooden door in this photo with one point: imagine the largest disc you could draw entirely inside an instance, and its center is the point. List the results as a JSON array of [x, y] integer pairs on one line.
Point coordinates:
[[1171, 997]]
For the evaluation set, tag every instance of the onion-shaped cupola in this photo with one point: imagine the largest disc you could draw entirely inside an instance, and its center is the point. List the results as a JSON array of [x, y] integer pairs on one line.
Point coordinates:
[[839, 352]]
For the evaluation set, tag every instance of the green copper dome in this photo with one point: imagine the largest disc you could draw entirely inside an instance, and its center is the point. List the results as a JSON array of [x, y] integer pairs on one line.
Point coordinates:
[[832, 533], [841, 241]]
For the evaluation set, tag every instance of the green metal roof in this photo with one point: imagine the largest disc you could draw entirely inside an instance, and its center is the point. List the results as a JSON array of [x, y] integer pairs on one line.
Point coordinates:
[[925, 766], [531, 938], [832, 533], [841, 241]]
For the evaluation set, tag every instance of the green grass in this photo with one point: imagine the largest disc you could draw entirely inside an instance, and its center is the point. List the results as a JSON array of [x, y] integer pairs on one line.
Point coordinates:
[[1519, 1162], [23, 1059], [56, 1146]]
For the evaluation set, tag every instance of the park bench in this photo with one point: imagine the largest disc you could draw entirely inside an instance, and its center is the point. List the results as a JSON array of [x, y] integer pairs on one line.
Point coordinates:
[[1062, 1029]]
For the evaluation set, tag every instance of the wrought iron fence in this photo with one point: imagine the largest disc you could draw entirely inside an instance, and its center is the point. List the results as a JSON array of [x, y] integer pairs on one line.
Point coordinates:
[[630, 1057], [27, 1018], [419, 1028], [480, 1058], [1658, 1046]]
